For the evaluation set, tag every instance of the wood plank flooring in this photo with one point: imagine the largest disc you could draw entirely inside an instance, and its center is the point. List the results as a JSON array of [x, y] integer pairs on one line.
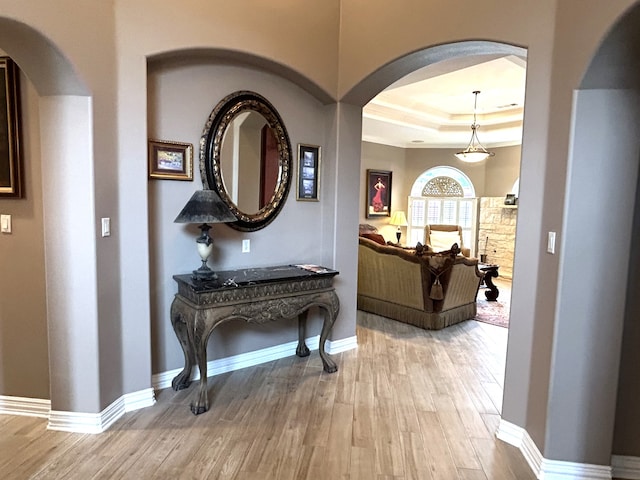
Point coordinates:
[[407, 404]]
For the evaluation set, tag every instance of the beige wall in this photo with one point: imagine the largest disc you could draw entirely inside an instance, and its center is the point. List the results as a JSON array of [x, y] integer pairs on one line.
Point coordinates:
[[501, 171], [383, 157], [493, 177]]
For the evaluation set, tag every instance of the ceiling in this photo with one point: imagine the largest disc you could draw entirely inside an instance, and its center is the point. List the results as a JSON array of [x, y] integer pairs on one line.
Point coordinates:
[[433, 106]]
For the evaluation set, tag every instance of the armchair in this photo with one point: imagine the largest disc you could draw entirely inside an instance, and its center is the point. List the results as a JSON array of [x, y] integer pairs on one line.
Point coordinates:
[[441, 237]]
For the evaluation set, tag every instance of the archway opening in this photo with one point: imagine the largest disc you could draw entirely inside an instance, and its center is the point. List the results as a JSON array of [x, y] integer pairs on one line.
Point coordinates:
[[55, 135], [407, 159]]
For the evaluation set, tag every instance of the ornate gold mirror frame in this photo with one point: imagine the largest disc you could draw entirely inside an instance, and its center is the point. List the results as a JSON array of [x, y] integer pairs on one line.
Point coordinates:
[[211, 146]]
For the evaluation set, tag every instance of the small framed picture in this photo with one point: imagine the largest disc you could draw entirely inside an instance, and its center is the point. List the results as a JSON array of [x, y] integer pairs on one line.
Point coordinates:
[[378, 193], [170, 160], [510, 199], [308, 173]]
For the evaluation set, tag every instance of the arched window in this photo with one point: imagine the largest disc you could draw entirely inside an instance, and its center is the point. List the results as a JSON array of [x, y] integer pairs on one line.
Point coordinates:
[[442, 195], [448, 172], [442, 187]]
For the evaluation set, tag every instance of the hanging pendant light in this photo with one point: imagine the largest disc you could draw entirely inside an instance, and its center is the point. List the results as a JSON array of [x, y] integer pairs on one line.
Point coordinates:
[[474, 152]]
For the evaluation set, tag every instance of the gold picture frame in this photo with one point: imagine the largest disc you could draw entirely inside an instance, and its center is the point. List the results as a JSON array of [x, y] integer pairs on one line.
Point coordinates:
[[170, 160], [11, 181]]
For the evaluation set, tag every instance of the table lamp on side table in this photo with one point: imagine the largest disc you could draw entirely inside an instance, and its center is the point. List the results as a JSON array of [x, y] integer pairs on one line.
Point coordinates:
[[204, 207], [398, 219]]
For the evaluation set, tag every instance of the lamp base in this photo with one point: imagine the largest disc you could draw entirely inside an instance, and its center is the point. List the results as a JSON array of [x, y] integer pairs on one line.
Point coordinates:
[[398, 235], [204, 273]]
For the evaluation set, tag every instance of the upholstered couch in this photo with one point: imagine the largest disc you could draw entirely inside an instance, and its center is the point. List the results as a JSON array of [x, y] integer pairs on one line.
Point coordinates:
[[426, 289]]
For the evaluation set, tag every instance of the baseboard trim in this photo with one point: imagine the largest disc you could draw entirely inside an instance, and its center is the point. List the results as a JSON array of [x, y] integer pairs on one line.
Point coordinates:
[[519, 438], [342, 345], [257, 357], [140, 399], [626, 467], [545, 469], [79, 422], [29, 407], [558, 470]]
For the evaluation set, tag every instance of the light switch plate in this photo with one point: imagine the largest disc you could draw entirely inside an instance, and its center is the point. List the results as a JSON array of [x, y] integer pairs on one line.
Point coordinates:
[[5, 223], [106, 227], [551, 242], [246, 246]]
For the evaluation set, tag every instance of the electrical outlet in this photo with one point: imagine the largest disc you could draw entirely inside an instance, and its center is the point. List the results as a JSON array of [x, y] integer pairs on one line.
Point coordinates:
[[246, 245]]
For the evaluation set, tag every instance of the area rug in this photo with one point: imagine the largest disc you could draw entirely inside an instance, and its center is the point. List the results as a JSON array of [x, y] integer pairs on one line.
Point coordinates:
[[495, 313]]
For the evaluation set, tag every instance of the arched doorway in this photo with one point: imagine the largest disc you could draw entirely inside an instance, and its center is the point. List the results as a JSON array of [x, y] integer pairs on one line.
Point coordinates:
[[58, 138], [379, 80]]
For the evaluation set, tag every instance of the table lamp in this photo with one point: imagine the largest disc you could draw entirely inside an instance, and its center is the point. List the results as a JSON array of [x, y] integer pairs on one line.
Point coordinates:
[[205, 206], [399, 220]]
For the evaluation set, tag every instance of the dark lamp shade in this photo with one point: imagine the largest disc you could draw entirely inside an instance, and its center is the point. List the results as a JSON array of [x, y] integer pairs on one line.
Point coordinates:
[[205, 206]]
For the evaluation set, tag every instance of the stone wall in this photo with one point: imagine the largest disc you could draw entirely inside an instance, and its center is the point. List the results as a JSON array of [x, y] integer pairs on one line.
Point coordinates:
[[497, 223]]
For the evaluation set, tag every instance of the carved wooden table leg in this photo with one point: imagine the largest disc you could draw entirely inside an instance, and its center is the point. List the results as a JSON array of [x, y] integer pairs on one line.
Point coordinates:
[[200, 338], [330, 310], [492, 292], [302, 350], [179, 322]]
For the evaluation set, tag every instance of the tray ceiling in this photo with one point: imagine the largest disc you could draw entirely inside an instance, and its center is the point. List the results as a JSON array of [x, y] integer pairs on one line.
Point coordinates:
[[433, 106]]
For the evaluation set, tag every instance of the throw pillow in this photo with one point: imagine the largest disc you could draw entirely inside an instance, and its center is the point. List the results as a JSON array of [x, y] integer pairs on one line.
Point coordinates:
[[376, 237], [366, 228]]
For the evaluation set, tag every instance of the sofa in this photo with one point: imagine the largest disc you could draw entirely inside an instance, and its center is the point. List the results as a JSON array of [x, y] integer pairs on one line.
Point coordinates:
[[417, 286]]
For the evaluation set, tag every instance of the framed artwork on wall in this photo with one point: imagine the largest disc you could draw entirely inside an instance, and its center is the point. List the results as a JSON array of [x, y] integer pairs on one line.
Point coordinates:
[[378, 193], [308, 173], [10, 156], [170, 160]]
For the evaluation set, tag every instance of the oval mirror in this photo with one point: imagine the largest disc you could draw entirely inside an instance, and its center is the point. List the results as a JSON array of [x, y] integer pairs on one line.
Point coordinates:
[[245, 156]]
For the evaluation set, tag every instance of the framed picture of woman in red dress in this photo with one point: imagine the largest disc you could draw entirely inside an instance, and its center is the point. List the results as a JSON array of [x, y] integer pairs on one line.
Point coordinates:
[[378, 193]]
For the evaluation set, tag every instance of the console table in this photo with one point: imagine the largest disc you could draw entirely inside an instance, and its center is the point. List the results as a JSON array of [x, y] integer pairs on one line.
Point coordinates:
[[256, 295]]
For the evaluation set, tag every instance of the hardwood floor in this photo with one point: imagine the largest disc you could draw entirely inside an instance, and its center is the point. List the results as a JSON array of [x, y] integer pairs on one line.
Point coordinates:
[[407, 404]]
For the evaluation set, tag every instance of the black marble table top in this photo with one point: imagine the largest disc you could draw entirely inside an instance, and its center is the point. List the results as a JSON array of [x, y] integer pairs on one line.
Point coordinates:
[[487, 266], [254, 276]]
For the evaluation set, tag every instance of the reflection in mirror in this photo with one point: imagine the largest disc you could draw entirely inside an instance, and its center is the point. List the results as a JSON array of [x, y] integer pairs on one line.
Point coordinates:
[[249, 152], [245, 155]]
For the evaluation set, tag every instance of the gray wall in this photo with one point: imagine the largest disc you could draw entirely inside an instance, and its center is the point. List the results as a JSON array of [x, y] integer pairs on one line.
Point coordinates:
[[100, 342], [626, 440], [589, 326], [180, 99], [24, 352]]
